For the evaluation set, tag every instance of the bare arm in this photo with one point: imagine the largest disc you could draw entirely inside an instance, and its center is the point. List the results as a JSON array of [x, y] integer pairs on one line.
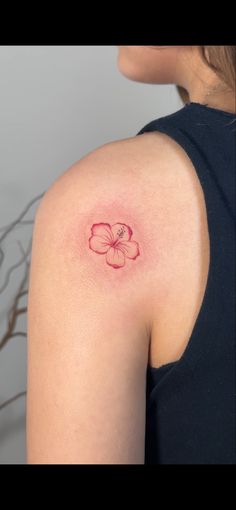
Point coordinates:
[[99, 234]]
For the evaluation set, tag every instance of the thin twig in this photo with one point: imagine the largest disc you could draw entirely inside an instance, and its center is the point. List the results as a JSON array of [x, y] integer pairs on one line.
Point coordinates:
[[23, 213], [21, 310], [13, 313], [17, 312], [12, 399], [19, 333], [19, 224], [23, 252], [15, 266], [24, 293], [1, 256]]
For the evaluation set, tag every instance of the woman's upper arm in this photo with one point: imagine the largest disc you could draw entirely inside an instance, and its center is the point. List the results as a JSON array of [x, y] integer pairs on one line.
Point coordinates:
[[102, 247], [87, 321]]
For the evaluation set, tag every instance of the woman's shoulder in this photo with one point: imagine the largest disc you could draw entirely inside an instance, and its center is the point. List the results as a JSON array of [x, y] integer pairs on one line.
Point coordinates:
[[145, 182], [147, 187], [122, 164]]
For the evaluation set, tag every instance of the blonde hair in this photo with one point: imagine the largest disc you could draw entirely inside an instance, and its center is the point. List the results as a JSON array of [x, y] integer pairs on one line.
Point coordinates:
[[222, 60]]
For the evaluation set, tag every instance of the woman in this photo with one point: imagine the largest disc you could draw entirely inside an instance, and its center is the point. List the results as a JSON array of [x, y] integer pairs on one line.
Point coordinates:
[[131, 302]]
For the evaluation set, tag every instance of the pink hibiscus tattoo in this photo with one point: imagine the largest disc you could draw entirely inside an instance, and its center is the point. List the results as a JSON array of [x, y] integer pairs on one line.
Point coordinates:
[[114, 241]]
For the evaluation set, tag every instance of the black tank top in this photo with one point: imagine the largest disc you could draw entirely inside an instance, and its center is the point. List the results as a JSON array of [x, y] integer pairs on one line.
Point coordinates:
[[190, 403]]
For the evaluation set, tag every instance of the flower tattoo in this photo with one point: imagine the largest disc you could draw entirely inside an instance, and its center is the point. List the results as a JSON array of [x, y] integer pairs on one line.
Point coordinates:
[[114, 241]]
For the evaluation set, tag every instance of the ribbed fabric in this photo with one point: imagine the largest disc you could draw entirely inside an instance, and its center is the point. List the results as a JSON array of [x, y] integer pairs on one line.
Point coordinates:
[[191, 404]]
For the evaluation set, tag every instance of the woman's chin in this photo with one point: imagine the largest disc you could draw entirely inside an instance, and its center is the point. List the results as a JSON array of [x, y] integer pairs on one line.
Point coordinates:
[[129, 70]]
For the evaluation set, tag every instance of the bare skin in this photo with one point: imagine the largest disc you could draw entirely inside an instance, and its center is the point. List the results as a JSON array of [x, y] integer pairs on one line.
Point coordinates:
[[102, 308], [182, 65]]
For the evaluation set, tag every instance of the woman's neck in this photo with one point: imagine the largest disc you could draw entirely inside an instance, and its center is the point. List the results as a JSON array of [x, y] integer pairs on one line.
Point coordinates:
[[225, 101], [202, 83]]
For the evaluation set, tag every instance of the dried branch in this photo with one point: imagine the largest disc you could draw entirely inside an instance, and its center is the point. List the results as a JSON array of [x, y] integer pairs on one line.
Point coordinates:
[[12, 399], [21, 310], [1, 256], [19, 333], [26, 222], [24, 293], [19, 224], [14, 313], [15, 266], [23, 213]]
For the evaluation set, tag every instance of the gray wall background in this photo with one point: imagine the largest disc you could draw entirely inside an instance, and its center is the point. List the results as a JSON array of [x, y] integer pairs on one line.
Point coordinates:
[[56, 104]]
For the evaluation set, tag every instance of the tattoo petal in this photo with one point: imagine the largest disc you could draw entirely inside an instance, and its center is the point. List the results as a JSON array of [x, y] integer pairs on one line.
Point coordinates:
[[121, 231], [98, 244], [103, 230], [115, 258], [129, 248]]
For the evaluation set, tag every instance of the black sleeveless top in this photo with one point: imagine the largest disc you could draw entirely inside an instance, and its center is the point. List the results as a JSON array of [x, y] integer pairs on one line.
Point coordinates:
[[190, 403]]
